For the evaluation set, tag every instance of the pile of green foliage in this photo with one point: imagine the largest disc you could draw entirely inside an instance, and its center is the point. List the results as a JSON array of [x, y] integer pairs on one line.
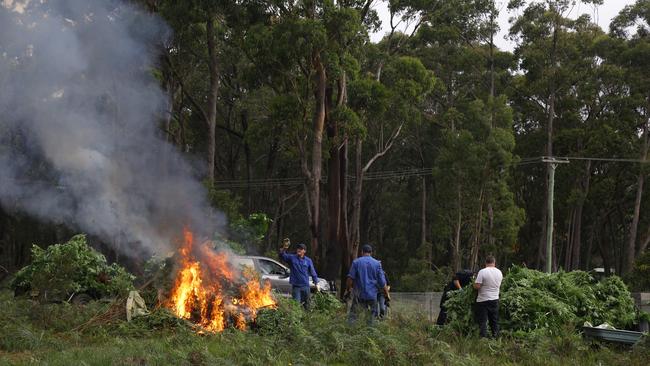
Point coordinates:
[[285, 319], [532, 300], [61, 270], [325, 303]]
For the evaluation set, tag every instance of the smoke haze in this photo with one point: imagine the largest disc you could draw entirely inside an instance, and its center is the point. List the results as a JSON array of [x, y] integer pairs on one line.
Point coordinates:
[[79, 115]]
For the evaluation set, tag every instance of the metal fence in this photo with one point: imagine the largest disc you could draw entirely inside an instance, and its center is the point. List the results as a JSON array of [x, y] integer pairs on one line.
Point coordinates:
[[408, 303], [428, 303]]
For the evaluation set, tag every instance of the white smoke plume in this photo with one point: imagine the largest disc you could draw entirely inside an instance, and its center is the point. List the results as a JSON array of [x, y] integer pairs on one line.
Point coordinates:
[[79, 116]]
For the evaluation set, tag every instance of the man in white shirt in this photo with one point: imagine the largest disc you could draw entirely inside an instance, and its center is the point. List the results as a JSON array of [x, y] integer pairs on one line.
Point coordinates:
[[488, 282]]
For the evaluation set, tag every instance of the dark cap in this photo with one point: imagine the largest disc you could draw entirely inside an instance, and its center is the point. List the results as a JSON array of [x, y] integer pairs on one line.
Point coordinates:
[[301, 246], [366, 248]]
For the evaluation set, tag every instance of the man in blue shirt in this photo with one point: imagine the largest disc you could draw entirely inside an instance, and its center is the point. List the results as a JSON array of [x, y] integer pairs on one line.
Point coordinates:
[[365, 280], [301, 269]]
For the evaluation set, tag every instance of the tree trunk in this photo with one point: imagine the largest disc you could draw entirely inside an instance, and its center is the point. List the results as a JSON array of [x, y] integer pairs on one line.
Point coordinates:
[[333, 194], [549, 138], [569, 242], [490, 214], [423, 222], [344, 235], [356, 205], [645, 242], [317, 153], [631, 241], [343, 232], [456, 247], [477, 233], [577, 227], [492, 16], [249, 164], [279, 210], [212, 98]]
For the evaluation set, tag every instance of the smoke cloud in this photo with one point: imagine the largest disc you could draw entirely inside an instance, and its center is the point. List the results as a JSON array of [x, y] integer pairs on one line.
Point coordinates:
[[79, 116]]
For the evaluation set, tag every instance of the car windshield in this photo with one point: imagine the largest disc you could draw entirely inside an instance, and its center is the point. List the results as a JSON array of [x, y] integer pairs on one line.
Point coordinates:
[[243, 263], [269, 267]]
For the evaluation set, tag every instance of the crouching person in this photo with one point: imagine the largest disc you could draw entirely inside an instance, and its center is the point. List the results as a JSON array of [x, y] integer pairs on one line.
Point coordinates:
[[365, 280], [301, 269], [460, 280]]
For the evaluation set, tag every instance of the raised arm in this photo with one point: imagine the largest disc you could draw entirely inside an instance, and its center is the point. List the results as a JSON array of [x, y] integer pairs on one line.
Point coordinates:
[[282, 253]]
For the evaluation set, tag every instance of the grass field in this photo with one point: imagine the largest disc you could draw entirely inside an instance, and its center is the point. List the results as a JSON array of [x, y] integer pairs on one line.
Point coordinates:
[[50, 334]]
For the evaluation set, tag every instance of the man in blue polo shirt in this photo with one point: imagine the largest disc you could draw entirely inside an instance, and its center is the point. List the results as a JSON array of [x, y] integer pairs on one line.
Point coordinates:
[[301, 269], [365, 280]]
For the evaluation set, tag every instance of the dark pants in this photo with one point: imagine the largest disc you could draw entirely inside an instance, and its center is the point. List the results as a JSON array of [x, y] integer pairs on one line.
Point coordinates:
[[442, 316], [488, 311], [301, 294], [369, 307]]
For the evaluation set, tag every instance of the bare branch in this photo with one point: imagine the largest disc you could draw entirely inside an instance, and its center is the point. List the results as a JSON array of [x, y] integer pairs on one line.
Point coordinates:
[[387, 147]]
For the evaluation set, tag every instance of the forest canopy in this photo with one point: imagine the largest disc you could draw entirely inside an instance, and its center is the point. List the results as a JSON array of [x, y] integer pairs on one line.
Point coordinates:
[[286, 118]]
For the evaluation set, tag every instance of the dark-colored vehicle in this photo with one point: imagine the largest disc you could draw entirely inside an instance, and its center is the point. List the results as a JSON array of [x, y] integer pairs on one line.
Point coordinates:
[[277, 273]]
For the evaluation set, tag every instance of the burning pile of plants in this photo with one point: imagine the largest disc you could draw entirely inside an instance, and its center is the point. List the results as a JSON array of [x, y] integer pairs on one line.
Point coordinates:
[[208, 290], [199, 284]]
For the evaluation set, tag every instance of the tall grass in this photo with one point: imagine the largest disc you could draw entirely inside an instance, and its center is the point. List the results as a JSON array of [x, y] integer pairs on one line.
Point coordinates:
[[34, 333]]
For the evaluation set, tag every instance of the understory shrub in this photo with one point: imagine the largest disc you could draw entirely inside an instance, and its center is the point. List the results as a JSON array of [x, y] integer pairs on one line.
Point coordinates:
[[285, 319], [325, 303], [62, 270]]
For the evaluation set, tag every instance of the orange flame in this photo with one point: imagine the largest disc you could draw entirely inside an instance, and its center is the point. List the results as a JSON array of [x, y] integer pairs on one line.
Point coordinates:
[[206, 290]]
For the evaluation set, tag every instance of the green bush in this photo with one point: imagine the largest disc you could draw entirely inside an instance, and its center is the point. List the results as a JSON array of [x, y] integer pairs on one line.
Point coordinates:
[[160, 319], [460, 309], [284, 320], [70, 268], [325, 303]]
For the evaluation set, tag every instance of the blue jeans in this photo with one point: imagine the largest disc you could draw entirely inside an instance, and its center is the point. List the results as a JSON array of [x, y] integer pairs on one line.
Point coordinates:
[[301, 294], [381, 303], [368, 307]]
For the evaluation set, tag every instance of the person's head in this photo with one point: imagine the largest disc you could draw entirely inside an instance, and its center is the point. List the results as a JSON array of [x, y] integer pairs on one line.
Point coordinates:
[[301, 249], [490, 261], [366, 249]]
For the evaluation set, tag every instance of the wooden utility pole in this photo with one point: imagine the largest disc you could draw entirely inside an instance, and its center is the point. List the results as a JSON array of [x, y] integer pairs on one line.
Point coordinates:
[[552, 164]]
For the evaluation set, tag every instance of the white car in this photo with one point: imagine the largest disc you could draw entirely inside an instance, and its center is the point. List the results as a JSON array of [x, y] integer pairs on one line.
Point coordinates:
[[276, 273]]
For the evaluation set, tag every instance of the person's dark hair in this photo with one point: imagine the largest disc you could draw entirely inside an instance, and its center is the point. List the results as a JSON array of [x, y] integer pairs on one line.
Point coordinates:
[[301, 246], [490, 259], [366, 249]]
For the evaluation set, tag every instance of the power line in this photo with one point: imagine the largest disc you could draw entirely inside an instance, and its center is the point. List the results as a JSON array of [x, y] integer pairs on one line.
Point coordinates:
[[540, 159], [618, 160], [404, 173], [254, 183], [399, 174]]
